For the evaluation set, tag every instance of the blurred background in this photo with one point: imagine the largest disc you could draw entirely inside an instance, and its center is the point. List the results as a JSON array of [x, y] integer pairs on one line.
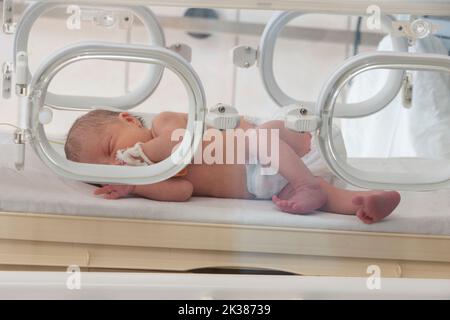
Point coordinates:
[[307, 52]]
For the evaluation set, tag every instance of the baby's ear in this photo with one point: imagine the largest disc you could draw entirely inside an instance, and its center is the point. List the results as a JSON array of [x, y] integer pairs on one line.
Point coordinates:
[[124, 115], [128, 118]]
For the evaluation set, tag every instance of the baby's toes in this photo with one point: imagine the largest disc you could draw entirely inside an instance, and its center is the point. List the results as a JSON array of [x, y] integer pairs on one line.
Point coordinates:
[[291, 208], [364, 217], [276, 200], [284, 205], [291, 204]]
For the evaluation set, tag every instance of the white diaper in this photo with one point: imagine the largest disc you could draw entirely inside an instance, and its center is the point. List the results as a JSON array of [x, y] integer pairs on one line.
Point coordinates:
[[263, 186], [266, 186]]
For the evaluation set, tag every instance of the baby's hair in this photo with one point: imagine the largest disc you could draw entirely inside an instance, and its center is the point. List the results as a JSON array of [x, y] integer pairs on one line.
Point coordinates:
[[94, 121], [140, 119]]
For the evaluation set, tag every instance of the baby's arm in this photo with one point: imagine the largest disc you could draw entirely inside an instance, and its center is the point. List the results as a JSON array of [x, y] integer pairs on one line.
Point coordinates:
[[159, 148], [162, 145], [174, 190]]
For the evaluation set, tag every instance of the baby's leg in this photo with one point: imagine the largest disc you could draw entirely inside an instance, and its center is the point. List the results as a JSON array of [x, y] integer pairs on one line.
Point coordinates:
[[307, 195], [369, 206], [299, 142]]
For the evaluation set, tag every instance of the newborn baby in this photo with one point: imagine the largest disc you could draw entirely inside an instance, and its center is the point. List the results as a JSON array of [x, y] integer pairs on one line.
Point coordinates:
[[100, 136]]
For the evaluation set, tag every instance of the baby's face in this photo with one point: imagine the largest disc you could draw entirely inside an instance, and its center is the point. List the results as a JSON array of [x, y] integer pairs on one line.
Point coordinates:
[[121, 134]]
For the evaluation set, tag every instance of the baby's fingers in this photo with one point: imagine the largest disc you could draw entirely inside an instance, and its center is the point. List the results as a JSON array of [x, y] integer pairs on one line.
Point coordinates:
[[112, 196], [103, 190]]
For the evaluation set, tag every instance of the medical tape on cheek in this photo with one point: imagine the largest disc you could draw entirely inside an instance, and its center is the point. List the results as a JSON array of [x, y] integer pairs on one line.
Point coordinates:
[[133, 156]]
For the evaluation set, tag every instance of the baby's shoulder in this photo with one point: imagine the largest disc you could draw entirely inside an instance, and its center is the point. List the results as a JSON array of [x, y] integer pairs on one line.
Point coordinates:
[[170, 115], [168, 120]]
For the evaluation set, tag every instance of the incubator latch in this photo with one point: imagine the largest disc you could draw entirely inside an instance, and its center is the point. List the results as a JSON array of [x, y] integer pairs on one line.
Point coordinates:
[[183, 50], [9, 27], [300, 120], [7, 71], [223, 117], [244, 56], [413, 30], [407, 90]]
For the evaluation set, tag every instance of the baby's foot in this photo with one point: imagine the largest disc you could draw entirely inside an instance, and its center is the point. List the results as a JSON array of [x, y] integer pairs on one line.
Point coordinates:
[[302, 199], [376, 207]]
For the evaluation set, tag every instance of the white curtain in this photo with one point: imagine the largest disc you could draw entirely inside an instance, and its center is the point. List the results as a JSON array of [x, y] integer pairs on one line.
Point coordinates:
[[423, 130]]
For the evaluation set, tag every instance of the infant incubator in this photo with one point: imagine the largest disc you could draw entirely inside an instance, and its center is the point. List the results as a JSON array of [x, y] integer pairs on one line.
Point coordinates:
[[369, 81]]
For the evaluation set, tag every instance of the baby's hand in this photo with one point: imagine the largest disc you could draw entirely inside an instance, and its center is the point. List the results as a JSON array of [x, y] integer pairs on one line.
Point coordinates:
[[114, 192]]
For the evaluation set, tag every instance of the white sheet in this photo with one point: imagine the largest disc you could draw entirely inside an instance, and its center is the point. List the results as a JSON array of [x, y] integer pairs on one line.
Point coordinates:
[[38, 190]]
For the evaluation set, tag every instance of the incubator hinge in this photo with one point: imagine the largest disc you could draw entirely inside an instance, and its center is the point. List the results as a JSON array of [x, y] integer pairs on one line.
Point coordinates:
[[22, 74], [244, 56], [407, 90], [413, 30], [223, 117], [7, 71], [183, 50], [299, 119], [9, 26], [21, 137]]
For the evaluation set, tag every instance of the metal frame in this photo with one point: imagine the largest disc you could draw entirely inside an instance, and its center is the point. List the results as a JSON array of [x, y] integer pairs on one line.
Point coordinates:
[[8, 25], [245, 28], [326, 109], [126, 101], [419, 7], [367, 107], [117, 174], [7, 71]]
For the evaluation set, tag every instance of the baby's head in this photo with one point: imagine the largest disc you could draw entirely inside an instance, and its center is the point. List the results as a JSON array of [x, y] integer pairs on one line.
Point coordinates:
[[98, 135]]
